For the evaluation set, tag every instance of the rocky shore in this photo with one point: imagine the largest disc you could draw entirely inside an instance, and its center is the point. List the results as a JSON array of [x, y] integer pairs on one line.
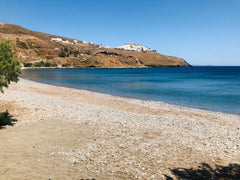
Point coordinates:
[[64, 133]]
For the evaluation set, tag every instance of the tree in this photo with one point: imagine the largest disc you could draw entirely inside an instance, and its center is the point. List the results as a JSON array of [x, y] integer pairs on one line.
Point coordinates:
[[10, 68]]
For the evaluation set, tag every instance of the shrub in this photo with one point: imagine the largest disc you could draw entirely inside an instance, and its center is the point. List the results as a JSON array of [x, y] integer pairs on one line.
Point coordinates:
[[75, 53], [48, 64], [62, 54], [54, 64], [65, 65], [89, 52], [27, 64], [39, 64], [44, 64], [5, 119], [65, 49]]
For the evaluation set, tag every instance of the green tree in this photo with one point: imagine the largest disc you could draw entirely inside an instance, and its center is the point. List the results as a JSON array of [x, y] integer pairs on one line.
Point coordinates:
[[10, 68]]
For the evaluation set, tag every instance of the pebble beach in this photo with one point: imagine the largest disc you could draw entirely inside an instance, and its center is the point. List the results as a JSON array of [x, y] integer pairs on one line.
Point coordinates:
[[64, 133]]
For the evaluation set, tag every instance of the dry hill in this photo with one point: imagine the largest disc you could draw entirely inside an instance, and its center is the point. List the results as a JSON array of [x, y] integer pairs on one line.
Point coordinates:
[[33, 46]]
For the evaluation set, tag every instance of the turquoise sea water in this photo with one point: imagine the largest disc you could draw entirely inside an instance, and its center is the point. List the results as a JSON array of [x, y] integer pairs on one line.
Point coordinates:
[[213, 88]]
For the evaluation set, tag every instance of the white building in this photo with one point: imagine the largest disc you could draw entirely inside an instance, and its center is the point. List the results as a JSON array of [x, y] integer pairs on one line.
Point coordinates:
[[134, 47]]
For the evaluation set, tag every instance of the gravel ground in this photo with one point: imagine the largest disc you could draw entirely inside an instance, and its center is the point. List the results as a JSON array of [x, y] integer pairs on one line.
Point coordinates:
[[64, 133]]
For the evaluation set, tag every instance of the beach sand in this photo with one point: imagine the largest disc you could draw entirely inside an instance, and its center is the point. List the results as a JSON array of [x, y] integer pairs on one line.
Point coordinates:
[[64, 133]]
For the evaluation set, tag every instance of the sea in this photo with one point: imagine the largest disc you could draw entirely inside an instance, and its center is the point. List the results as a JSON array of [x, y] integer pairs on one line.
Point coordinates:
[[214, 88]]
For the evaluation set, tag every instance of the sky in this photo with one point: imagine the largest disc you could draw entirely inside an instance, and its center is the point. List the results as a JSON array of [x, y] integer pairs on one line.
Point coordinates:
[[203, 32]]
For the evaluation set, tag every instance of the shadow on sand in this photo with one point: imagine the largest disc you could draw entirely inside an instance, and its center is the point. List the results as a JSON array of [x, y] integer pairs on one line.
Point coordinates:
[[6, 120], [205, 171]]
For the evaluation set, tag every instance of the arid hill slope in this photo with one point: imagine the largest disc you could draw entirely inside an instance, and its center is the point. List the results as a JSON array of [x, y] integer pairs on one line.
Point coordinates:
[[33, 46]]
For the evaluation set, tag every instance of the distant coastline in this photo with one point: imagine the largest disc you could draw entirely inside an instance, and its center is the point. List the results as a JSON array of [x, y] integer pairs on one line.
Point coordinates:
[[36, 47], [100, 67]]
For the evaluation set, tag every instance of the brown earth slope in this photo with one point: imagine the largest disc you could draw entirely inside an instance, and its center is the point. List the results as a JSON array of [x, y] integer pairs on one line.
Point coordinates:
[[33, 46]]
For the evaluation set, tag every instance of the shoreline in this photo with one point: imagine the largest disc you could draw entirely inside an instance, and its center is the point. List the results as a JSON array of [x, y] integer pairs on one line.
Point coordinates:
[[67, 133], [140, 67], [114, 95], [128, 97]]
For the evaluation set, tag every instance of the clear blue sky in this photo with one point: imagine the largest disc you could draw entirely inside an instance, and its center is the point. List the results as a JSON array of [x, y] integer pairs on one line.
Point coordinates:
[[204, 32]]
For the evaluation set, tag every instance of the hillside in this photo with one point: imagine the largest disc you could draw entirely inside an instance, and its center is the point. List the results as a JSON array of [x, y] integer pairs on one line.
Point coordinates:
[[33, 46]]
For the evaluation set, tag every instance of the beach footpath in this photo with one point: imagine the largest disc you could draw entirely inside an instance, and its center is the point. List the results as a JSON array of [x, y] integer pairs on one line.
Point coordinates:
[[64, 133]]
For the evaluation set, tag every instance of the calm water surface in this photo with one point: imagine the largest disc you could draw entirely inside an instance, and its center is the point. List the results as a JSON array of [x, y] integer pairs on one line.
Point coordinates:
[[213, 88]]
